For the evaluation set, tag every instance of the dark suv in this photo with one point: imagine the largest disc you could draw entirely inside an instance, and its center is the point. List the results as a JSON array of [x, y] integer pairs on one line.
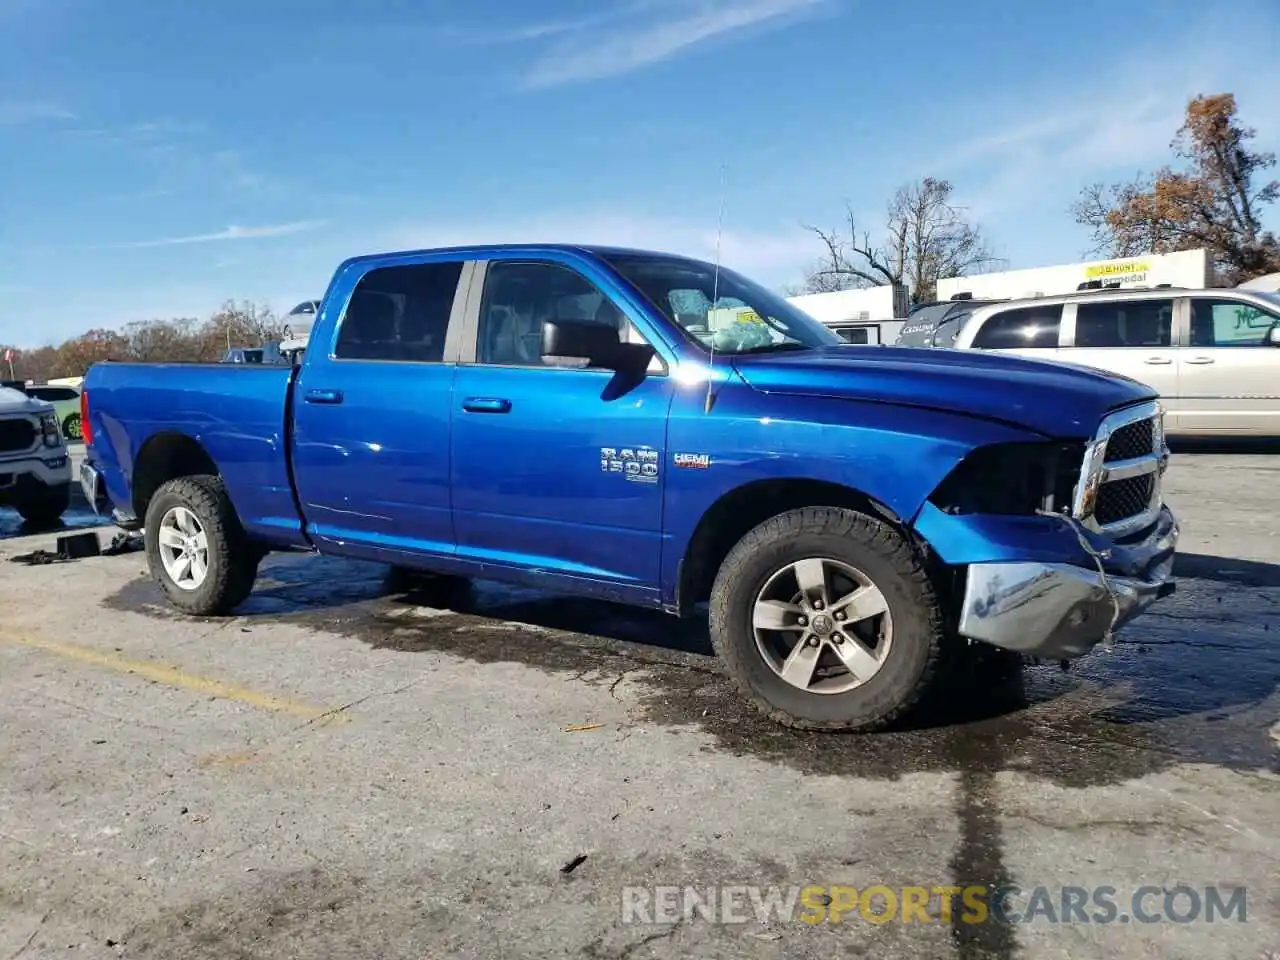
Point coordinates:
[[937, 324]]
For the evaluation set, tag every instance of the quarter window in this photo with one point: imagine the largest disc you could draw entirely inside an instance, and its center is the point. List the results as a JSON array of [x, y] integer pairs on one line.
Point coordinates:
[[1021, 328], [53, 394], [400, 313], [519, 297], [1125, 323], [1229, 323]]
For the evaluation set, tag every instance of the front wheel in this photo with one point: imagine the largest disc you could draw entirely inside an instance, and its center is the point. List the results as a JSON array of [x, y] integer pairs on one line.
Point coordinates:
[[45, 508], [196, 549], [826, 620]]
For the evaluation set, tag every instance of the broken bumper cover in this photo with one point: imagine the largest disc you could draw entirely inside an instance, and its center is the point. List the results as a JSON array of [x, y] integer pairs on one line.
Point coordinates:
[[93, 486], [1060, 611]]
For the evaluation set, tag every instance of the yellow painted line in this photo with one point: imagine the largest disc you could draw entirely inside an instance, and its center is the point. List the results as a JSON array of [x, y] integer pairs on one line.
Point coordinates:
[[173, 677]]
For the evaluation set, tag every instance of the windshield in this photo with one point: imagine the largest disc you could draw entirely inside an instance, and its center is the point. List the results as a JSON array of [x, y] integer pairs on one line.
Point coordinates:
[[1271, 298], [728, 313]]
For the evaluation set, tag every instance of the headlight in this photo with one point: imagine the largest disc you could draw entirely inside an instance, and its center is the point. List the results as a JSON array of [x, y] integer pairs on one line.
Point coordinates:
[[1016, 479], [50, 429]]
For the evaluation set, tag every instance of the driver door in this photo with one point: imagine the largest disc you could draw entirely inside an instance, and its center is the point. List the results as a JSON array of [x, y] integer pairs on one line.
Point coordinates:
[[555, 469]]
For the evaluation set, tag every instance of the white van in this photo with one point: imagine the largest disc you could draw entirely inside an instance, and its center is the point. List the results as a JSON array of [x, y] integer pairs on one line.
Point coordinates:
[[1213, 355]]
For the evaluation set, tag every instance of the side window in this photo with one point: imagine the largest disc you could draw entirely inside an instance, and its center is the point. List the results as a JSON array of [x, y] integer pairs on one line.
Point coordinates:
[[519, 296], [1125, 323], [1024, 327], [400, 313], [1229, 323], [852, 334]]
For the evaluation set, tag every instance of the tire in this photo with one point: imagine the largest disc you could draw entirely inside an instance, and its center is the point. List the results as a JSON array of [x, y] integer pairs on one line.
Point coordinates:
[[46, 507], [847, 543], [231, 559], [71, 427]]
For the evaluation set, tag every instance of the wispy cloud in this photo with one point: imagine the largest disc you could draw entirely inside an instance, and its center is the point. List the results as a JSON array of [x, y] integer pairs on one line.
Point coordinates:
[[14, 112], [232, 233], [1030, 160], [644, 33]]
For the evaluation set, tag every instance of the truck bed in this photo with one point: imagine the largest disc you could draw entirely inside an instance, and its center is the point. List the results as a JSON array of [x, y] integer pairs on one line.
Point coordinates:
[[236, 412]]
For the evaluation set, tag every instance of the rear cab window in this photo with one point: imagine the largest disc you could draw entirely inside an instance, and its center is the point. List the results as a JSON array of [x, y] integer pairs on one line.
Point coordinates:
[[400, 313], [1020, 328]]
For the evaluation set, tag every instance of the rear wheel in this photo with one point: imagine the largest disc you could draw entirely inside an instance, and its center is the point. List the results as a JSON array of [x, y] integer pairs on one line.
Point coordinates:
[[196, 549], [826, 620]]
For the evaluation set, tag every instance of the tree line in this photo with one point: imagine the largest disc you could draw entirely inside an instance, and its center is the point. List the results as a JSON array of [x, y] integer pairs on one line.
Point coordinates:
[[1211, 195], [179, 340]]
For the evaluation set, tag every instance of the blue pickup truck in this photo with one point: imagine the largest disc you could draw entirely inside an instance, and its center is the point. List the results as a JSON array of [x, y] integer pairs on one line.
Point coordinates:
[[657, 431]]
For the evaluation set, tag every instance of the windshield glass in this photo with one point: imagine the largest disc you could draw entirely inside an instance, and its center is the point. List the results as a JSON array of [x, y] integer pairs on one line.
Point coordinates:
[[1271, 298], [729, 314]]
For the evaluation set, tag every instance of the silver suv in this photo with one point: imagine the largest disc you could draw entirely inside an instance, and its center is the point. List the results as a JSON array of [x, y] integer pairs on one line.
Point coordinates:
[[35, 470], [1213, 355]]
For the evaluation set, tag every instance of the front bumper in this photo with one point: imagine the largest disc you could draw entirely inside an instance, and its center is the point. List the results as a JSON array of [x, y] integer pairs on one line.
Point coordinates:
[[1060, 611], [19, 477]]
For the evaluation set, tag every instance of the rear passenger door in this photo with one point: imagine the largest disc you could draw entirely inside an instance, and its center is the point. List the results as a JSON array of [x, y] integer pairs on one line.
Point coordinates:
[[1133, 338], [372, 410], [1228, 372], [1026, 331]]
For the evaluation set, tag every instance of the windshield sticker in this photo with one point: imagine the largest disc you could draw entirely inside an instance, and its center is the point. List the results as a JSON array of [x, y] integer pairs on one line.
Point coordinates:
[[635, 464]]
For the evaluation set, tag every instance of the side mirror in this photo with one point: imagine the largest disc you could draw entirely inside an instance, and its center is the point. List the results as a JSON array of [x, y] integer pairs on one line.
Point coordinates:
[[1273, 336], [593, 344]]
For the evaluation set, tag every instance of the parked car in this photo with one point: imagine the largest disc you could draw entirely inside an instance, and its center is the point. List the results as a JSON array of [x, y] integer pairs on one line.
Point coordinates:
[[268, 353], [298, 321], [66, 403], [936, 324], [1210, 354], [35, 471], [653, 430]]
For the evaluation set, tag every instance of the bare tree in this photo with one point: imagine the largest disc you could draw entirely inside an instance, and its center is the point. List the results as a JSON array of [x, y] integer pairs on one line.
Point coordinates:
[[928, 237], [1213, 202], [240, 325]]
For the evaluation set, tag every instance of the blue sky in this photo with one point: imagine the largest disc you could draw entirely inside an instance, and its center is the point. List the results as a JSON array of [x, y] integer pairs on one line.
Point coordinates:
[[160, 158]]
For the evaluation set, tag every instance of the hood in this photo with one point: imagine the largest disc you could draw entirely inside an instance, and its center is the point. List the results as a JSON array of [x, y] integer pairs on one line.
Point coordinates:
[[1058, 400], [15, 401]]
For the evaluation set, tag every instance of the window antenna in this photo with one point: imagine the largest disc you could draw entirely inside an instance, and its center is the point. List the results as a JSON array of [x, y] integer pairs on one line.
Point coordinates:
[[715, 283]]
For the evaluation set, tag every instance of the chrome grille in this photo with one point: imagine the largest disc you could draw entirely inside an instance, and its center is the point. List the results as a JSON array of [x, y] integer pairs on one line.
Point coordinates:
[[1121, 499], [1119, 488], [1132, 440]]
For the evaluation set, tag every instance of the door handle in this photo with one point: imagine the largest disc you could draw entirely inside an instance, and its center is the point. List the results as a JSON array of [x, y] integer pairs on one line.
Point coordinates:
[[1198, 361], [486, 405], [1157, 360], [324, 396]]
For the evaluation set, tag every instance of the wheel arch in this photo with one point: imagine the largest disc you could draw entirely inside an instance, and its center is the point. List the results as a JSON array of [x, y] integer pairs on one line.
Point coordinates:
[[743, 508], [166, 456]]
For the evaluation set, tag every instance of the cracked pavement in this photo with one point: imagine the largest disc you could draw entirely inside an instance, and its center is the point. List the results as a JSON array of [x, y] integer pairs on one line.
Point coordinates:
[[358, 767]]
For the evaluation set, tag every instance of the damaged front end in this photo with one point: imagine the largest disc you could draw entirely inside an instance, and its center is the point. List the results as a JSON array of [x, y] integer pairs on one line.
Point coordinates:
[[1054, 546]]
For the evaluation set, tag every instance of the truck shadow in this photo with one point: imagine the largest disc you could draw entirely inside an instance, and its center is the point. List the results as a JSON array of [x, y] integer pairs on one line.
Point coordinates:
[[1195, 677]]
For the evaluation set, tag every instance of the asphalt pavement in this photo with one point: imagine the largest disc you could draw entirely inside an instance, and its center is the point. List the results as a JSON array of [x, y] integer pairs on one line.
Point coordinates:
[[357, 768]]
